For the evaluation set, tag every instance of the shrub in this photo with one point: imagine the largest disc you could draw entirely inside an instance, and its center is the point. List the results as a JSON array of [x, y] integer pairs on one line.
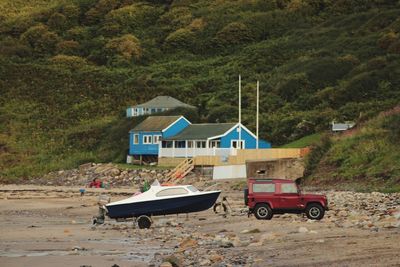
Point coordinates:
[[13, 47], [57, 21], [68, 47], [175, 18], [180, 39], [40, 39], [133, 18], [317, 152], [387, 40], [71, 61], [234, 33], [127, 46]]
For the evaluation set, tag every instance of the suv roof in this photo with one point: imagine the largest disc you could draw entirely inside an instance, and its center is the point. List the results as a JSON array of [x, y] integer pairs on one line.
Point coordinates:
[[272, 180]]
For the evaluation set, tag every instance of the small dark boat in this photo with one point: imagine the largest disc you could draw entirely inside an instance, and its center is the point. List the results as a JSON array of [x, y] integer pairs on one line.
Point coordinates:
[[162, 200]]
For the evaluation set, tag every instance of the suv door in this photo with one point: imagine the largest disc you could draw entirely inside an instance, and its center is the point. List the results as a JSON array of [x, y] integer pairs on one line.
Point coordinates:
[[289, 198]]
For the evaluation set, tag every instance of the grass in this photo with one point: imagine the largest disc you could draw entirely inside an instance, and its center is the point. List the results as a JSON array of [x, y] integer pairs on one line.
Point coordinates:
[[304, 141]]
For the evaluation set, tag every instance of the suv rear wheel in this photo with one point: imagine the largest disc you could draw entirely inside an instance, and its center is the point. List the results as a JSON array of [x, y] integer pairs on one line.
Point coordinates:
[[263, 212], [315, 211]]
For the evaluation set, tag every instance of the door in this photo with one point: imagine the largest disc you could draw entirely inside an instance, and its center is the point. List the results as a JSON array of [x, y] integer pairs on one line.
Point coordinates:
[[289, 198]]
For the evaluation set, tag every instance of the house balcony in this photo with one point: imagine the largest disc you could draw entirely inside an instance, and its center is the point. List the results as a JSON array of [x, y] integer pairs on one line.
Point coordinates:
[[194, 152]]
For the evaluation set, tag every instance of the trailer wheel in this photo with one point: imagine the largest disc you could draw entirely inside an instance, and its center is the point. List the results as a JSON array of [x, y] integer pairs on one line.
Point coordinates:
[[144, 222]]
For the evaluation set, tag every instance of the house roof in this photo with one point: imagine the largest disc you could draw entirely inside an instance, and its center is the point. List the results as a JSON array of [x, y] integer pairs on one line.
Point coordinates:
[[163, 102], [341, 126], [202, 131], [156, 123]]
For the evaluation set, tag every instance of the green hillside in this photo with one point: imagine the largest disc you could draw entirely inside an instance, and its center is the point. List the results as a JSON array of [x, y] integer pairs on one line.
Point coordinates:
[[68, 69], [368, 159]]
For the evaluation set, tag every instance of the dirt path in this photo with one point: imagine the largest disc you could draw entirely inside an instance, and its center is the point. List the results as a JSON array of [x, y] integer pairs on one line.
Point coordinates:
[[48, 228]]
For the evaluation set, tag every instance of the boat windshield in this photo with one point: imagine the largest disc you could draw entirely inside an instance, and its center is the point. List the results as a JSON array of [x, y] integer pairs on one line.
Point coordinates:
[[192, 188], [172, 192]]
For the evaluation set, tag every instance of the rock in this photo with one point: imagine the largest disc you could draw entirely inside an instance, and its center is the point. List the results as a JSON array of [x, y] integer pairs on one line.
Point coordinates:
[[166, 264], [215, 258], [187, 243], [205, 262], [253, 231], [85, 167], [268, 237], [302, 230]]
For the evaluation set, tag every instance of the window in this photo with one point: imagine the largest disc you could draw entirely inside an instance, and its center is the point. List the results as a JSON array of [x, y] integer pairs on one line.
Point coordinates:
[[180, 144], [172, 192], [147, 139], [288, 188], [263, 188], [190, 144], [156, 139], [200, 144], [215, 143], [192, 188], [136, 139], [166, 144], [235, 144]]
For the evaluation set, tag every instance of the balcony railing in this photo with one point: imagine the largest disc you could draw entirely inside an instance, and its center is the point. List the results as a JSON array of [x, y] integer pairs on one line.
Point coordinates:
[[193, 152]]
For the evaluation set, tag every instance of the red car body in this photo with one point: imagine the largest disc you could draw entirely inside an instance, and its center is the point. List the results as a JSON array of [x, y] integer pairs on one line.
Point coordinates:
[[278, 196]]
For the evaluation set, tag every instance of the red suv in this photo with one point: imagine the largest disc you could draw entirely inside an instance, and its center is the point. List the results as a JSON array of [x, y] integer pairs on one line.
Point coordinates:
[[266, 197]]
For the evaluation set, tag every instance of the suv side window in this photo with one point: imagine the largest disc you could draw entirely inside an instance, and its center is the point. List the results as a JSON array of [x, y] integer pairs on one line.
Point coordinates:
[[288, 188], [263, 188]]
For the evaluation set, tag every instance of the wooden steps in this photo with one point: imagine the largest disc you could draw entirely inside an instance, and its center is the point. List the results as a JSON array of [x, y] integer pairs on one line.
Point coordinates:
[[181, 170]]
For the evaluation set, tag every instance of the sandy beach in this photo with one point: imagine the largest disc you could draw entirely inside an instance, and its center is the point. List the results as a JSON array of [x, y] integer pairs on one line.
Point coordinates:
[[51, 226]]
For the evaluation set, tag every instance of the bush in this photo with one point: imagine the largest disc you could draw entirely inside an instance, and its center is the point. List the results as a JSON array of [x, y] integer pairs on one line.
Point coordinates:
[[180, 39], [57, 21], [70, 61], [68, 47], [317, 152], [40, 39], [133, 18], [127, 46], [233, 34]]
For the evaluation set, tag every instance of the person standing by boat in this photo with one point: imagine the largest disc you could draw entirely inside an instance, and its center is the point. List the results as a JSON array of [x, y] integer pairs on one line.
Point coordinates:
[[146, 186]]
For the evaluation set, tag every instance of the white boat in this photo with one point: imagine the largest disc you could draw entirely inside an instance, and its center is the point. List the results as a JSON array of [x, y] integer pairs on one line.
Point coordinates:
[[162, 200]]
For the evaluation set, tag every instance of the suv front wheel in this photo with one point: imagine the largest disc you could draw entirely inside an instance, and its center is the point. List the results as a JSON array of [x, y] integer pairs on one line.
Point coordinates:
[[263, 212], [315, 211]]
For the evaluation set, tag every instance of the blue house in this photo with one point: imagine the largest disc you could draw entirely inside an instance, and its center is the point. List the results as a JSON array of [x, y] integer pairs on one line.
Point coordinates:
[[210, 139], [156, 105], [145, 138]]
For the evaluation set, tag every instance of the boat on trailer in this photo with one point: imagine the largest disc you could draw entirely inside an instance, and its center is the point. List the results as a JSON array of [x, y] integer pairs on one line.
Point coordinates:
[[161, 200]]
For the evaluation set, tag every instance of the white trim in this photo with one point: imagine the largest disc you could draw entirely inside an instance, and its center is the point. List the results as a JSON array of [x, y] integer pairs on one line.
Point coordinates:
[[238, 142], [169, 126], [158, 137], [150, 140], [133, 141], [236, 125]]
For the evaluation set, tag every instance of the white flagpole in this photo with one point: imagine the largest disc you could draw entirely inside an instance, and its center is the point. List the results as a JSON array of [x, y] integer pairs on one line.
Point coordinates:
[[240, 113], [258, 100]]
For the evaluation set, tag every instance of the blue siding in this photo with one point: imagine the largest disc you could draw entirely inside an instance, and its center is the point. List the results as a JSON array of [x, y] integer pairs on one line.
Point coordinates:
[[140, 148], [177, 127], [152, 149], [249, 140]]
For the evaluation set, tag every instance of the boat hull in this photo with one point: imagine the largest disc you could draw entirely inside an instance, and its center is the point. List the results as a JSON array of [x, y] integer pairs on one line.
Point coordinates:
[[186, 204]]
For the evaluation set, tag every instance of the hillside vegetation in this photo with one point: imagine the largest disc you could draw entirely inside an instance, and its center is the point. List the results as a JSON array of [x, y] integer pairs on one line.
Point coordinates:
[[69, 68], [367, 159]]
